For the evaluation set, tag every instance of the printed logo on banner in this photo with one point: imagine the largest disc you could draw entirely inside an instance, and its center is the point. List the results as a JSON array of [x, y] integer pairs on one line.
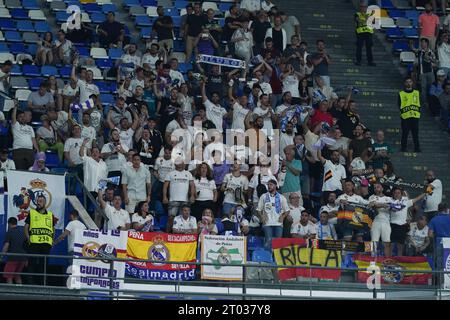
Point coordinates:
[[26, 198], [158, 251], [394, 275], [224, 256], [93, 250]]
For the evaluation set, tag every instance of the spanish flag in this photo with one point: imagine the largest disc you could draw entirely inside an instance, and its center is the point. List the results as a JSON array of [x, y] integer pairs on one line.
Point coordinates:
[[295, 252], [161, 247], [395, 269]]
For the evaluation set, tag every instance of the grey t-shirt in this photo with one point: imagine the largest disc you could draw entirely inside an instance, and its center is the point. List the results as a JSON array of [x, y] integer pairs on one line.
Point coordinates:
[[16, 239], [38, 100]]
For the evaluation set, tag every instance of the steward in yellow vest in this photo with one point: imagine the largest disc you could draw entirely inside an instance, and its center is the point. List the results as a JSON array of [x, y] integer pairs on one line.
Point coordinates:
[[409, 105], [363, 34]]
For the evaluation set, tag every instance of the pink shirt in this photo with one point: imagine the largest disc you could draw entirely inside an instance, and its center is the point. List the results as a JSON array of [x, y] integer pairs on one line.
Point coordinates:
[[428, 22]]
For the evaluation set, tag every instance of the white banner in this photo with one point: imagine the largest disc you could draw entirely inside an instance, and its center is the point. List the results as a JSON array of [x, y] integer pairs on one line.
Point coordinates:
[[225, 251], [221, 61], [23, 189], [93, 274]]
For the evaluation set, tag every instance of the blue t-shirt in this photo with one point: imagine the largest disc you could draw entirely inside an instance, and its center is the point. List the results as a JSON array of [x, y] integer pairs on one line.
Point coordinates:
[[440, 225]]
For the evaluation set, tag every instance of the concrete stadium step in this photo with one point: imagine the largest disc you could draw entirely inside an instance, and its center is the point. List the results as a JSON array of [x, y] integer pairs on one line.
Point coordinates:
[[379, 86]]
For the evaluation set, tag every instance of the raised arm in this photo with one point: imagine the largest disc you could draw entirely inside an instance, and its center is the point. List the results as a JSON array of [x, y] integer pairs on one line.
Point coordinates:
[[320, 157], [100, 199], [204, 97]]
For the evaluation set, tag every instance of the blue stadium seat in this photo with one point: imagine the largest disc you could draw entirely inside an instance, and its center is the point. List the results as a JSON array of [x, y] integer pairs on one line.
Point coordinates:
[[103, 87], [221, 22], [60, 170], [7, 25], [394, 33], [34, 82], [83, 51], [31, 71], [130, 3], [52, 159], [19, 14], [113, 86], [143, 21], [13, 36], [107, 7], [32, 48], [387, 4], [97, 17], [107, 98], [176, 21], [399, 46], [4, 47], [184, 67], [172, 12], [115, 53], [163, 222], [410, 33], [62, 16], [16, 48], [146, 33], [223, 7], [49, 71], [181, 4], [16, 70], [262, 256], [65, 71], [149, 3], [255, 243], [30, 5], [25, 26], [396, 14], [92, 7], [179, 46], [41, 26], [104, 63], [412, 14]]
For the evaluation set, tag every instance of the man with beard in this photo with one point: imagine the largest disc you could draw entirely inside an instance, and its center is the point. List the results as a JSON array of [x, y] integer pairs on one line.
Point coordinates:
[[168, 108], [214, 111], [358, 145], [334, 174], [381, 227], [434, 198], [286, 138], [114, 154], [348, 119], [265, 110], [126, 131], [304, 229], [331, 207], [128, 62], [39, 232]]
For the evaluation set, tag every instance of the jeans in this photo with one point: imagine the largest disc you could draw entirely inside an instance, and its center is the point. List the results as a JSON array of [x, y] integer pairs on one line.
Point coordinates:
[[271, 232], [426, 80]]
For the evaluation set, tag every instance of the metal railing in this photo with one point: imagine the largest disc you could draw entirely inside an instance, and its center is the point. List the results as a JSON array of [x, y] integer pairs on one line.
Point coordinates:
[[135, 288]]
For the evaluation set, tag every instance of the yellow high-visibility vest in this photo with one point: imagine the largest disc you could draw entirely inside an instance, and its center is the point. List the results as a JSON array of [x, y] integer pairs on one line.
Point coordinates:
[[361, 26], [409, 104], [41, 227]]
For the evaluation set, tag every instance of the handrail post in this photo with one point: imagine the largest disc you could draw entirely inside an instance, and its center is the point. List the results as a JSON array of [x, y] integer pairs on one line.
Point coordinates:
[[45, 270], [244, 281], [111, 278]]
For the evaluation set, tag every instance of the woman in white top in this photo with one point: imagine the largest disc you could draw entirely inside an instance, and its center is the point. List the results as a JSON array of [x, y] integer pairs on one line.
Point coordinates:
[[291, 79], [142, 220], [205, 190], [243, 41], [186, 102], [44, 54]]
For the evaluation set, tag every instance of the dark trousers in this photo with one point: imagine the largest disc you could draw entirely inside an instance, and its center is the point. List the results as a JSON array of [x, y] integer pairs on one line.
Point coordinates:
[[23, 158], [411, 124], [78, 171], [361, 40], [38, 265]]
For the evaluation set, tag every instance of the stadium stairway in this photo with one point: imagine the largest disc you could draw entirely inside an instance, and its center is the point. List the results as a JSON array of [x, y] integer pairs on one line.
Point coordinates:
[[332, 21]]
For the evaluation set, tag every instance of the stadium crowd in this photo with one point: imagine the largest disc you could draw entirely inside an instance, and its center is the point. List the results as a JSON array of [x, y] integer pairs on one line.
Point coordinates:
[[270, 149]]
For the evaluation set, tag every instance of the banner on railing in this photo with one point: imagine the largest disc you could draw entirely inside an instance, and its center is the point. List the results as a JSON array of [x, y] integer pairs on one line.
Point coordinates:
[[99, 244], [352, 246], [397, 269], [446, 260], [224, 251], [161, 247], [295, 252], [25, 186]]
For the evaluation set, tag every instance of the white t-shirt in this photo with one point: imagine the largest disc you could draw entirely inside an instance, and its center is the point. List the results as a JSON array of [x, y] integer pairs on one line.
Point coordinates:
[[383, 213], [150, 60], [117, 218], [358, 164], [66, 47], [176, 75], [22, 135], [94, 172], [239, 114], [62, 122], [269, 208], [172, 126], [399, 217], [302, 230], [295, 213], [86, 90], [69, 91], [254, 181], [126, 137], [215, 114], [332, 176], [205, 189], [89, 132], [285, 140], [128, 58], [179, 185], [72, 227], [266, 88], [417, 236], [267, 119], [353, 199], [72, 146], [163, 167], [180, 224], [147, 221], [290, 83], [325, 232], [8, 165], [232, 182], [310, 139], [115, 161], [330, 209], [432, 201]]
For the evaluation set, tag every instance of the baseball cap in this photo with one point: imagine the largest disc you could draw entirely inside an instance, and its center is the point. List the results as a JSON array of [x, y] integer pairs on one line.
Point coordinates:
[[440, 72]]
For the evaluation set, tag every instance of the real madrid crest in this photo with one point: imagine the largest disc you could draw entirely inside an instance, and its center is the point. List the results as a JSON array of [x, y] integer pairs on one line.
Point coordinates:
[[39, 188], [158, 251]]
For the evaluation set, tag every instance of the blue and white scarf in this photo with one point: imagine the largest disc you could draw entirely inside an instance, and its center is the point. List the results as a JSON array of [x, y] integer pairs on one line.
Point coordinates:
[[277, 202]]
